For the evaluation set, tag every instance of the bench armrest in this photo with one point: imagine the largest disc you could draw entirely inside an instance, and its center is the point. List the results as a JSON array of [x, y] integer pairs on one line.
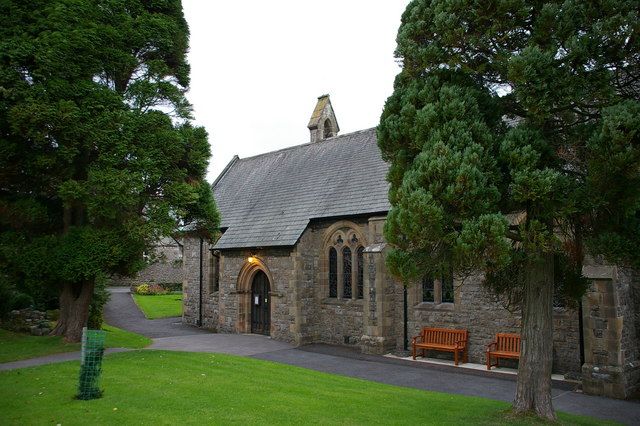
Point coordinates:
[[492, 344], [415, 339]]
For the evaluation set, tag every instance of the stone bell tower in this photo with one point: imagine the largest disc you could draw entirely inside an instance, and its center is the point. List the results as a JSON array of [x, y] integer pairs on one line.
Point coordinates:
[[323, 123]]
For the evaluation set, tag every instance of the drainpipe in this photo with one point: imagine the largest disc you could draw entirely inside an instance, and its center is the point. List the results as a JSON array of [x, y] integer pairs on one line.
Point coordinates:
[[406, 334], [200, 294], [581, 328]]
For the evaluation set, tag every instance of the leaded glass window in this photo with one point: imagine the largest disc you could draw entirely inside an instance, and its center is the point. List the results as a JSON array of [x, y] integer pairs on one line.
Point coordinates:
[[428, 293], [360, 260], [333, 272], [346, 272], [447, 288]]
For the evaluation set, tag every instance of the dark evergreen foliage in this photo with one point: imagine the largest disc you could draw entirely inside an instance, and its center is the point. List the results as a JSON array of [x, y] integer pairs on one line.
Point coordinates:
[[513, 138], [97, 155]]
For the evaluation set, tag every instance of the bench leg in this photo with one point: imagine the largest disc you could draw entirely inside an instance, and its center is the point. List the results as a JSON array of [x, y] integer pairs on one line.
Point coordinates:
[[466, 355], [455, 357], [488, 360], [414, 352]]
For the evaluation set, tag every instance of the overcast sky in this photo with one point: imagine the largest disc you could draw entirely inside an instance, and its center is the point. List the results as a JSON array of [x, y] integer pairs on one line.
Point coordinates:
[[258, 67]]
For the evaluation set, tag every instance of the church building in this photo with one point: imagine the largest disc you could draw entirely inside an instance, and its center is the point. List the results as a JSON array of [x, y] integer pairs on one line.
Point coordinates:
[[301, 258]]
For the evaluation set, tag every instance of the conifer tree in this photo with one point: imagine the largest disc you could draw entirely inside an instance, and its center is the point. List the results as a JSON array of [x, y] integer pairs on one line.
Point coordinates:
[[98, 158], [514, 148]]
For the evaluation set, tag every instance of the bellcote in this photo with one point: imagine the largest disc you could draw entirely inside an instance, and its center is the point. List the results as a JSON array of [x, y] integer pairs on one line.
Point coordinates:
[[323, 124]]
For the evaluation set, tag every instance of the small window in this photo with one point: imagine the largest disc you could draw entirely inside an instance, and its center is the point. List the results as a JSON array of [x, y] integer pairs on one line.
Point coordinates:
[[214, 273], [346, 271], [438, 290], [428, 293], [333, 272], [328, 130], [447, 288], [360, 260]]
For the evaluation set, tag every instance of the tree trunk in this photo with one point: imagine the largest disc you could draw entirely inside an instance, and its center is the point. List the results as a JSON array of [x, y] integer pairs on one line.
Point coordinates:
[[533, 393], [74, 310]]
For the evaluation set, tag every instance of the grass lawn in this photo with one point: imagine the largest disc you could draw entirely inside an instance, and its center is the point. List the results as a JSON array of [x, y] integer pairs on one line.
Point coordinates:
[[160, 387], [16, 346], [160, 306]]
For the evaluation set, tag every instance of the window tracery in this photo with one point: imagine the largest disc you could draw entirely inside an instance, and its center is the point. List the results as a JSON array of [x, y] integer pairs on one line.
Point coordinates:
[[345, 261]]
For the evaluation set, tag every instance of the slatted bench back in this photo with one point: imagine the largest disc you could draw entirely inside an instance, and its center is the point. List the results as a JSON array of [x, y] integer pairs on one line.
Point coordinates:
[[508, 342], [443, 336]]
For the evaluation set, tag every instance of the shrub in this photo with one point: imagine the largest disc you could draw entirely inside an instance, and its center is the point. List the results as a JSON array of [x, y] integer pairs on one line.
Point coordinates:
[[150, 289], [172, 287], [21, 301], [157, 289], [6, 296], [142, 289]]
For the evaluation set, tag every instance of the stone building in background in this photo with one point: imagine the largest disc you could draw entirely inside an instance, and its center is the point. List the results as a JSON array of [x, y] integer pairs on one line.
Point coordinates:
[[301, 258], [164, 265]]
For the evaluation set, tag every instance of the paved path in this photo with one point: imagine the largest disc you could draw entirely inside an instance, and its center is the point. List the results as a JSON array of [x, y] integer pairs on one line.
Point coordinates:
[[346, 362], [51, 359], [122, 312]]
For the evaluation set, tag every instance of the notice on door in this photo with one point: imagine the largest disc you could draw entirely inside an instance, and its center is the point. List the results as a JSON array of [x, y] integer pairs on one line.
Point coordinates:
[[256, 300]]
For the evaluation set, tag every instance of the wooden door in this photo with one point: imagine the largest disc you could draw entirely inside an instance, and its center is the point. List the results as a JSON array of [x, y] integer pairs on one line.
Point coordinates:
[[260, 304]]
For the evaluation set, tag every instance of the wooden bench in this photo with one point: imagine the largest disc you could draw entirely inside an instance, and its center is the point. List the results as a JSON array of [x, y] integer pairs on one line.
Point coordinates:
[[506, 345], [441, 339]]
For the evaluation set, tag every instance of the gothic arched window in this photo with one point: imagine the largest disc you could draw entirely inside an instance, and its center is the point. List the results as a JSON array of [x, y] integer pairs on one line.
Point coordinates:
[[360, 269], [343, 257], [333, 272], [346, 273]]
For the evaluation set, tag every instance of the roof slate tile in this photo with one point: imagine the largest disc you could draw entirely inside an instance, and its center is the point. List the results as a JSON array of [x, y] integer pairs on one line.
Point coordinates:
[[268, 200]]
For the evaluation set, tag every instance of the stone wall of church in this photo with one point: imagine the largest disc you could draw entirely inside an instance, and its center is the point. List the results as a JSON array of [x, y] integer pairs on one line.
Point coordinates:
[[302, 312], [234, 306], [628, 302], [612, 341], [634, 340], [191, 285], [477, 311], [227, 309], [321, 318]]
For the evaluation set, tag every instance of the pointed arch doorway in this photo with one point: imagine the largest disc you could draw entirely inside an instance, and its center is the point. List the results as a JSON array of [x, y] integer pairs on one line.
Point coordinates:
[[260, 304]]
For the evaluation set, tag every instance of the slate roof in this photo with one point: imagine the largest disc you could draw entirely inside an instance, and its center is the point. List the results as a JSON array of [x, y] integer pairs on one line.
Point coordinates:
[[268, 200]]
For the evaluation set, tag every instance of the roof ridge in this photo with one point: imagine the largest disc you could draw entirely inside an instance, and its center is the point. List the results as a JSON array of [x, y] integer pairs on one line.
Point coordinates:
[[225, 170], [308, 143]]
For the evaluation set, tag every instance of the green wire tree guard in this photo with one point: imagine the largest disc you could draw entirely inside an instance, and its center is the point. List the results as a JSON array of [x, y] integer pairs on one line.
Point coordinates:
[[91, 364]]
